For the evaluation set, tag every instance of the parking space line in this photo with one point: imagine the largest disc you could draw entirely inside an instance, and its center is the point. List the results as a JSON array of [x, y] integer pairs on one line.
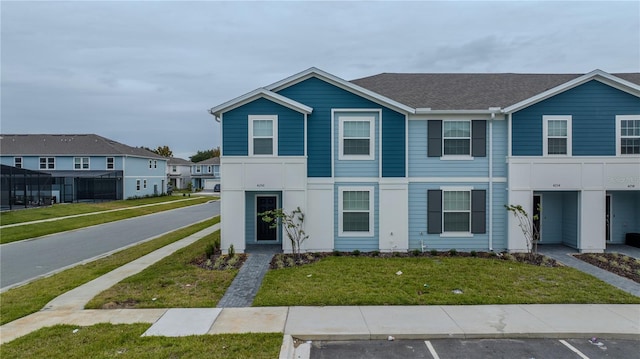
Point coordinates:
[[431, 350], [573, 349]]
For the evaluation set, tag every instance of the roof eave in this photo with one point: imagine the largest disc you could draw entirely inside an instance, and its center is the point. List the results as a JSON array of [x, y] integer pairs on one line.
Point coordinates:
[[260, 93]]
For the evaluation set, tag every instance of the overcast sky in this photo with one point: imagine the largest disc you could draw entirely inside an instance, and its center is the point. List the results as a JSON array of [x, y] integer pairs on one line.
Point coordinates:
[[145, 73]]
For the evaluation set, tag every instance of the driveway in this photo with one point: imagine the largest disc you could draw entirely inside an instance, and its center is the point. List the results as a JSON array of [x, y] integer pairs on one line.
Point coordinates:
[[26, 260]]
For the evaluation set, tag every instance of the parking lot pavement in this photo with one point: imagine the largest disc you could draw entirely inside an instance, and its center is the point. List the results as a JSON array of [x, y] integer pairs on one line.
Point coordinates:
[[584, 348]]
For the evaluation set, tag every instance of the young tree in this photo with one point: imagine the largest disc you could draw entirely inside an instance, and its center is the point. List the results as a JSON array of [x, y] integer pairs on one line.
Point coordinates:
[[529, 229], [164, 151], [291, 223], [205, 155]]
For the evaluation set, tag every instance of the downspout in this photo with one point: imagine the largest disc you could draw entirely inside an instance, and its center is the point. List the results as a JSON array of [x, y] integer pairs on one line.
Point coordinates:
[[493, 116]]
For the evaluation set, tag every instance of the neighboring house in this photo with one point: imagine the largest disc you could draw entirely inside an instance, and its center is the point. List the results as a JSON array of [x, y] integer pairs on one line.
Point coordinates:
[[179, 172], [395, 162], [87, 167], [205, 175]]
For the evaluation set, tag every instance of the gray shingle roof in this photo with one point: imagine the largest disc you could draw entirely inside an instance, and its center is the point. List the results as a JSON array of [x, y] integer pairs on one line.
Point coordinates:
[[210, 161], [446, 91], [71, 144], [179, 161]]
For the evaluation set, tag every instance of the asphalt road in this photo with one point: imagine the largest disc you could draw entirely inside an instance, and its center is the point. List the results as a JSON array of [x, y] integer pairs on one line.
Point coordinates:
[[26, 260]]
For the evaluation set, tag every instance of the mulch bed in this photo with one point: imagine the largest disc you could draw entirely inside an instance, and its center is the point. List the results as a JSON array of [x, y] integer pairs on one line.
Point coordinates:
[[220, 261], [621, 265], [285, 260]]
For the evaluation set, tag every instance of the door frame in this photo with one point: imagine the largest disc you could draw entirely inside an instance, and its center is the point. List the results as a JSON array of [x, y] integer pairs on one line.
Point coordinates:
[[255, 211], [607, 217], [534, 210]]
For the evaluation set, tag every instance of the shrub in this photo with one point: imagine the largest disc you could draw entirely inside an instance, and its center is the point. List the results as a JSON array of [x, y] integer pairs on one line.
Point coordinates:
[[375, 253], [474, 254], [453, 252], [337, 253], [232, 251], [355, 253], [434, 252], [416, 252]]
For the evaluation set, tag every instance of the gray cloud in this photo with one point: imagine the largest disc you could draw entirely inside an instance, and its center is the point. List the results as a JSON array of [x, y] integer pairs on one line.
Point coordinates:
[[145, 73]]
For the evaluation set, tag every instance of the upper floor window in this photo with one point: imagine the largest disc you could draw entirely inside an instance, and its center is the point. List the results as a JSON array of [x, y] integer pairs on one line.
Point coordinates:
[[111, 163], [198, 169], [356, 211], [174, 168], [263, 136], [456, 139], [153, 164], [47, 163], [216, 171], [356, 138], [628, 135], [81, 163], [17, 162], [557, 135]]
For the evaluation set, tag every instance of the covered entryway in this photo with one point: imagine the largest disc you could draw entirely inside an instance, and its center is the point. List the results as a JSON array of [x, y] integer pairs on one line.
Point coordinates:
[[258, 231], [559, 221]]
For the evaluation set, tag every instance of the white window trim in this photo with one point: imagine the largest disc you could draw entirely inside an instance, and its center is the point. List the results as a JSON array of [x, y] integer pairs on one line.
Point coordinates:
[[619, 119], [545, 136], [144, 183], [370, 232], [113, 163], [460, 233], [15, 162], [46, 165], [372, 138], [82, 164], [274, 118], [467, 157], [138, 185]]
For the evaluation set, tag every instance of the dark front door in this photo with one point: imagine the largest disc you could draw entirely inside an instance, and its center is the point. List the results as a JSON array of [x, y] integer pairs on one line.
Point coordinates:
[[263, 232], [537, 207], [607, 218]]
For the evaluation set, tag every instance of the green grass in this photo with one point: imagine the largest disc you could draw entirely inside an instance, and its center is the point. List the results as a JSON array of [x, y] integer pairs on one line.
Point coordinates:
[[430, 281], [124, 341], [174, 283], [13, 234], [30, 298]]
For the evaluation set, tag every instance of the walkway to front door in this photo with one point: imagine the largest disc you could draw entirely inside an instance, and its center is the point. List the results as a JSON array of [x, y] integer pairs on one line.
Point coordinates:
[[248, 280]]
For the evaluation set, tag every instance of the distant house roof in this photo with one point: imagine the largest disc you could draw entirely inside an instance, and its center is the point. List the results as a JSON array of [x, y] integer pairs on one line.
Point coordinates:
[[174, 161], [478, 91], [209, 161], [68, 145]]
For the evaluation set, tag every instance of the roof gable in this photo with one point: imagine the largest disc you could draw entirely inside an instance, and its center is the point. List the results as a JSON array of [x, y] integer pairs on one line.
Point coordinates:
[[343, 84], [257, 94]]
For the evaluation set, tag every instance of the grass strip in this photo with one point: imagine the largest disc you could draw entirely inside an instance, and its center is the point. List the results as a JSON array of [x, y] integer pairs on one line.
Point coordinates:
[[431, 281], [13, 234], [172, 282], [30, 298], [125, 341]]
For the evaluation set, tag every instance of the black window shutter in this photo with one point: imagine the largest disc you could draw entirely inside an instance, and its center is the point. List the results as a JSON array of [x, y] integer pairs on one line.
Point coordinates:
[[434, 140], [478, 211], [478, 138], [434, 211]]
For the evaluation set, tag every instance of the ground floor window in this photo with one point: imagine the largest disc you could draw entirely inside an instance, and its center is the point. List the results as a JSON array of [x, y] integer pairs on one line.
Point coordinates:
[[456, 211], [356, 211]]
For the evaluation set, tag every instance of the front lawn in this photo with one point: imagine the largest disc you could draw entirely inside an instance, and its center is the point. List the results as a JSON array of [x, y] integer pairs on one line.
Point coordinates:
[[125, 341], [173, 282], [431, 281]]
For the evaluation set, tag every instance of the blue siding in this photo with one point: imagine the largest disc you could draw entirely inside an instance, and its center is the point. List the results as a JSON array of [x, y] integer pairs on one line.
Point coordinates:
[[479, 242], [235, 127], [365, 244], [625, 214], [422, 166], [593, 107], [323, 97], [359, 168]]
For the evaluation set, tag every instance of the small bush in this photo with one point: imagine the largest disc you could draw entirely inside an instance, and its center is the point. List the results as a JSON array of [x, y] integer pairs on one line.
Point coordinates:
[[210, 250], [355, 253], [416, 252], [375, 253], [453, 252], [337, 253], [232, 251], [474, 254]]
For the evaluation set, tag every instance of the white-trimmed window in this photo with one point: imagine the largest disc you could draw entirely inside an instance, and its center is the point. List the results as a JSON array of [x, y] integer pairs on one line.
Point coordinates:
[[144, 183], [111, 163], [216, 171], [137, 185], [357, 141], [47, 163], [174, 168], [628, 135], [17, 162], [356, 211], [557, 135], [456, 138], [263, 135], [81, 163], [155, 164], [456, 211]]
